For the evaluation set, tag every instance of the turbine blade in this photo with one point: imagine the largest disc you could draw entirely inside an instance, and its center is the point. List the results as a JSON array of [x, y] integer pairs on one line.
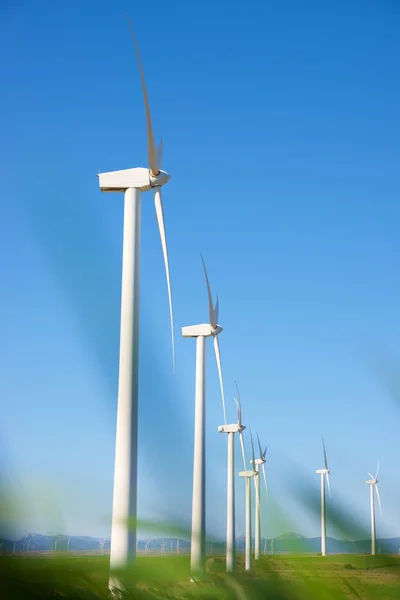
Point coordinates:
[[259, 446], [239, 405], [216, 310], [377, 471], [369, 474], [239, 409], [151, 147], [252, 450], [210, 302], [265, 452], [238, 393], [243, 450], [265, 480], [329, 485], [221, 383], [326, 462], [160, 154], [379, 498], [161, 227]]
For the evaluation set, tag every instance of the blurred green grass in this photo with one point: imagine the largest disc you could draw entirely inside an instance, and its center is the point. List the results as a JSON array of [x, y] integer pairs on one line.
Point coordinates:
[[281, 577]]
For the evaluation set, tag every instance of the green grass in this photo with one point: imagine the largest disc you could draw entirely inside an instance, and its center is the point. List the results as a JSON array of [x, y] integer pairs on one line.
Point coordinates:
[[282, 577]]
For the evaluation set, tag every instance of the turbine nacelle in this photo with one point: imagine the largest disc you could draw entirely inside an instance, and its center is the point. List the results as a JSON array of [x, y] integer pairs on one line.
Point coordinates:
[[138, 177], [320, 471], [205, 330], [258, 461], [248, 473], [234, 428], [372, 482]]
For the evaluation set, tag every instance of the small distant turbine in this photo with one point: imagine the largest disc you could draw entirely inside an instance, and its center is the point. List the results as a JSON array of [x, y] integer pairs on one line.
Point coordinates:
[[248, 475], [373, 483], [230, 510], [29, 541], [323, 473], [257, 525], [201, 332], [101, 545]]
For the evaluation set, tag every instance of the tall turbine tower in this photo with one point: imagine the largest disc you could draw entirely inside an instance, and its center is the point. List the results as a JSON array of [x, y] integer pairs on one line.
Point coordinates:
[[132, 182], [323, 473], [373, 483], [248, 475], [257, 525], [201, 332], [230, 509]]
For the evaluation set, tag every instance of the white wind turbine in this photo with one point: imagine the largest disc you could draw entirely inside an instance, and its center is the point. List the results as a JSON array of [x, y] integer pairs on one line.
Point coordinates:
[[201, 332], [132, 182], [248, 475], [257, 525], [230, 510], [324, 472], [373, 483]]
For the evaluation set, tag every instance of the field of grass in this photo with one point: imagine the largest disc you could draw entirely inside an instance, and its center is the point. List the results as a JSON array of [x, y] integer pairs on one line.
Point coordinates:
[[282, 577]]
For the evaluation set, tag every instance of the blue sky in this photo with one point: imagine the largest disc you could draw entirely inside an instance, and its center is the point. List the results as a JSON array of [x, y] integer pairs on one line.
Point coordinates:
[[280, 123]]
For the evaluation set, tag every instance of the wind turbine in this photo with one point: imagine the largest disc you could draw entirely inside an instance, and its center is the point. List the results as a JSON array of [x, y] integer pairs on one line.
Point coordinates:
[[102, 544], [132, 182], [257, 526], [373, 483], [324, 472], [201, 332], [248, 475], [230, 510]]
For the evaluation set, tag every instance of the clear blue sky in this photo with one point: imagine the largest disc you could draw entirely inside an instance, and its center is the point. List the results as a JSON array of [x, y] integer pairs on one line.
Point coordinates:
[[281, 132]]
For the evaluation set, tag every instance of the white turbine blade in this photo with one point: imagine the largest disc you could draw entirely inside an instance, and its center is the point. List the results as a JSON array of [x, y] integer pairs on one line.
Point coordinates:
[[239, 409], [161, 227], [329, 485], [216, 310], [252, 450], [379, 498], [265, 480], [160, 154], [151, 147], [259, 446], [239, 405], [265, 452], [221, 383], [210, 302], [326, 462], [377, 471], [243, 450], [369, 475]]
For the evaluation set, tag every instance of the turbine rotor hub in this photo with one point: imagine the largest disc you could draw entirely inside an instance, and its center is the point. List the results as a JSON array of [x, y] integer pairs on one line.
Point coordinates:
[[160, 179]]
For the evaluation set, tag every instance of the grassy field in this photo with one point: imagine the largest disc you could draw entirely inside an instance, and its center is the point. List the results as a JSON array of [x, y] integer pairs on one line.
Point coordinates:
[[283, 577]]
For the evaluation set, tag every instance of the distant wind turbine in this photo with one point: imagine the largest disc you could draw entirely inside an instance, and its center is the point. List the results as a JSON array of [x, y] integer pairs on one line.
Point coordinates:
[[201, 332], [373, 484], [230, 511], [248, 475], [324, 473], [260, 461], [132, 182]]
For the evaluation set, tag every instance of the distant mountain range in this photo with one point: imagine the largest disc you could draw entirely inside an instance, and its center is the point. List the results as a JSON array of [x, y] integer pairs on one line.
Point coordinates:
[[290, 542]]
